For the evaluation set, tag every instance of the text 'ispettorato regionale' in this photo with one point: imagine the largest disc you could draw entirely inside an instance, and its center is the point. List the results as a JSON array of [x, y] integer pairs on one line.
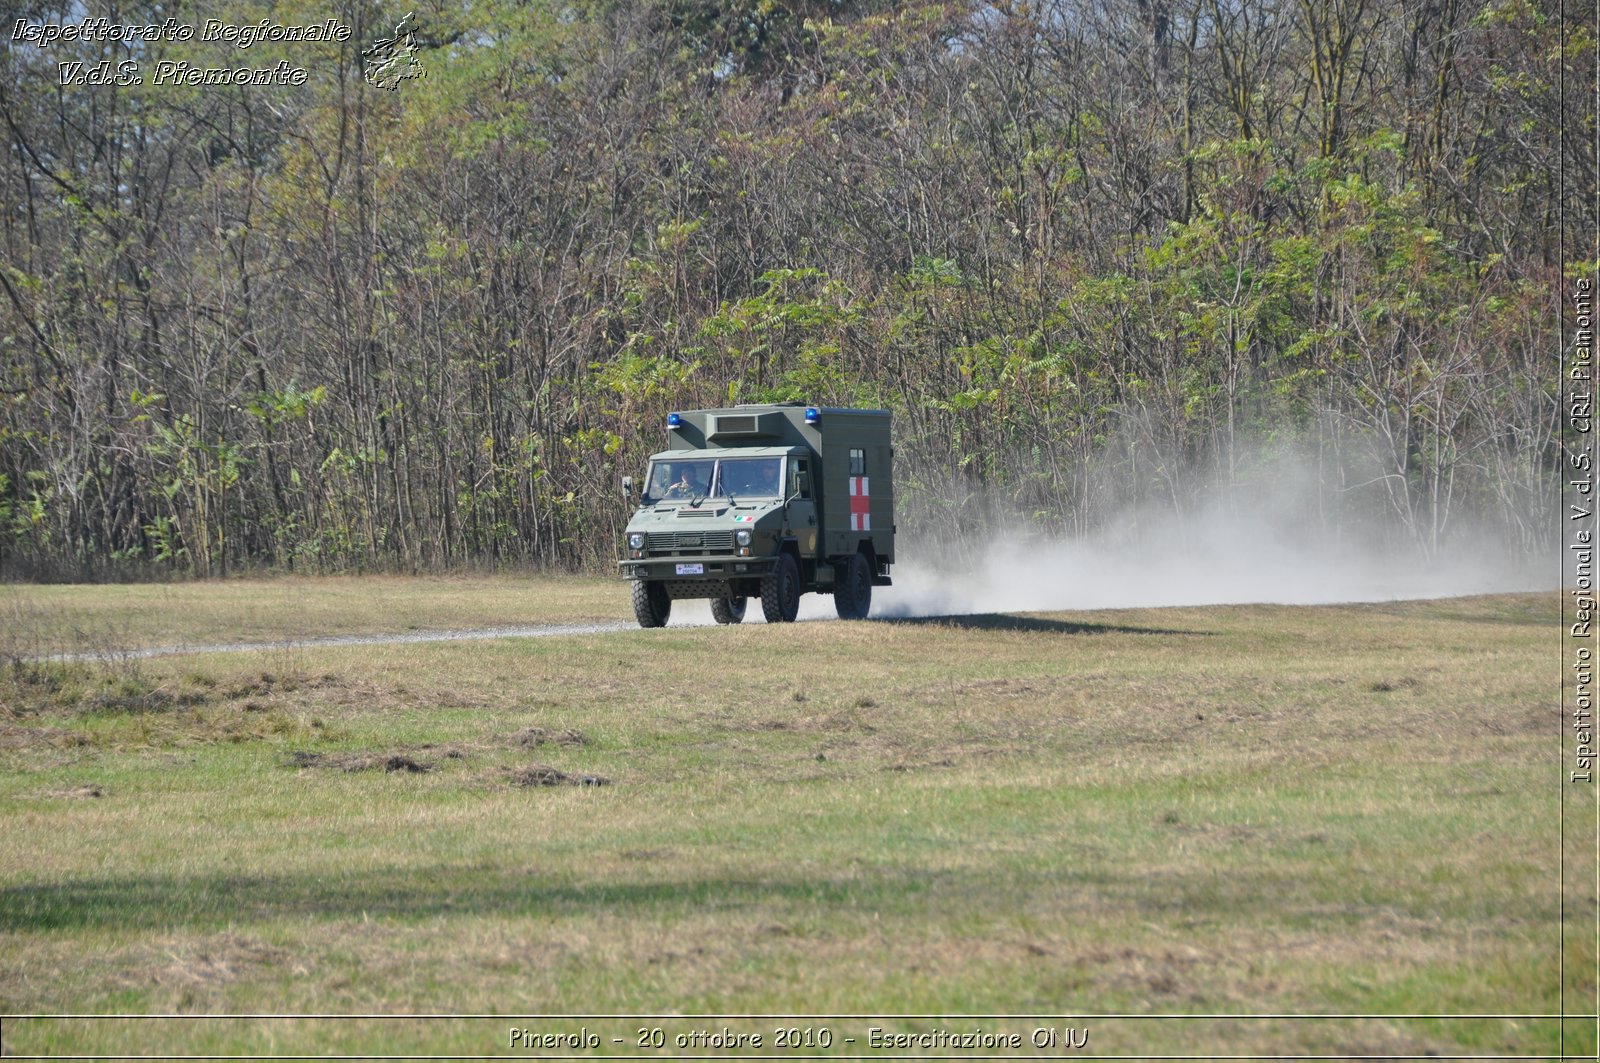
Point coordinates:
[[129, 71]]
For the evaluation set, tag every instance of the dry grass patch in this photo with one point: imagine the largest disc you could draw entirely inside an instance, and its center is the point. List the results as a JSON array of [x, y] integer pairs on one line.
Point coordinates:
[[545, 775], [533, 737], [86, 791], [204, 965], [351, 762]]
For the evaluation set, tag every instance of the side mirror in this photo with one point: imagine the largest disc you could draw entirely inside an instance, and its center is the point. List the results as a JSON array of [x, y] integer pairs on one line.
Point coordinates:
[[802, 483], [627, 488]]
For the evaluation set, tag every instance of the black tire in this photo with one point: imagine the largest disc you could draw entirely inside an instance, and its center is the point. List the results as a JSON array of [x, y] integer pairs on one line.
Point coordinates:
[[780, 591], [651, 606], [728, 610], [852, 599]]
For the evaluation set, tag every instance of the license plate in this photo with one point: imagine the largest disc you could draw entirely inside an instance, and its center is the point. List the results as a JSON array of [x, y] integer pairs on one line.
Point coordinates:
[[691, 570]]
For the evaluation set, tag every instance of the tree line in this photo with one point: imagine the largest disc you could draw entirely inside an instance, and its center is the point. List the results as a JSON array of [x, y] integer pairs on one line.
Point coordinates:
[[1093, 254]]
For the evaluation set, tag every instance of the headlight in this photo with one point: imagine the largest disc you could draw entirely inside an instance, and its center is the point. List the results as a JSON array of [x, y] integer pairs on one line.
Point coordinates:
[[636, 540], [742, 536]]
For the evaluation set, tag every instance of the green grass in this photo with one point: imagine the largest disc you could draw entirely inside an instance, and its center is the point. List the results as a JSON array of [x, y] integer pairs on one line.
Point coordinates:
[[1255, 810], [104, 618]]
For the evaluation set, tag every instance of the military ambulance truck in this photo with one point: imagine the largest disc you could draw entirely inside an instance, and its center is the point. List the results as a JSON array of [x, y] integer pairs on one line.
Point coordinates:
[[763, 501]]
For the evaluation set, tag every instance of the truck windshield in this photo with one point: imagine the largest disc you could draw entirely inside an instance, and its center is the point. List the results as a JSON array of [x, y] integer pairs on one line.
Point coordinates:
[[750, 477], [684, 481], [679, 480]]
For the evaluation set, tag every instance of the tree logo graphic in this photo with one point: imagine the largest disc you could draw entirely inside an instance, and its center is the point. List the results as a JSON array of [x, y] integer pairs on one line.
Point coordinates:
[[392, 60]]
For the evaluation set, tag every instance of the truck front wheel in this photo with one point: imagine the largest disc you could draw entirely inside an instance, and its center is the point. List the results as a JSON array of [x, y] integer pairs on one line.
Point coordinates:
[[727, 610], [780, 591], [651, 606]]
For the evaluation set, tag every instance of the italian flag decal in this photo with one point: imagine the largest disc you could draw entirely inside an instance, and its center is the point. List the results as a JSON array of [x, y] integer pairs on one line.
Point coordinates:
[[860, 505]]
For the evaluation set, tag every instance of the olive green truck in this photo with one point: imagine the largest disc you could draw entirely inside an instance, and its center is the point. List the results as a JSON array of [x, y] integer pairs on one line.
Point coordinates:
[[763, 501]]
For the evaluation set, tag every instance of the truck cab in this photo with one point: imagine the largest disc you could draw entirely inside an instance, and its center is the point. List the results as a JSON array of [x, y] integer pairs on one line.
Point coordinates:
[[763, 501]]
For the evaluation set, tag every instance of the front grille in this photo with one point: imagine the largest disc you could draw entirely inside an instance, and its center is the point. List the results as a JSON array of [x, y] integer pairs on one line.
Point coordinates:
[[665, 544]]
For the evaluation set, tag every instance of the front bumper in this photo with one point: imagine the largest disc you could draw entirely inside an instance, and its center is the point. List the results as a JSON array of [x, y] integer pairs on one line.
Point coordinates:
[[714, 568]]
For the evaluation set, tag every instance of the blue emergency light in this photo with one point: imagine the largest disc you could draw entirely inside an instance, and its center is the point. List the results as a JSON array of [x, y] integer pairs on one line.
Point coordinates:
[[674, 420], [813, 415]]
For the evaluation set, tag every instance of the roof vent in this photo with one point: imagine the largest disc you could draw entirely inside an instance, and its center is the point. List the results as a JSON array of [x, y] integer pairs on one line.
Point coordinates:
[[729, 425]]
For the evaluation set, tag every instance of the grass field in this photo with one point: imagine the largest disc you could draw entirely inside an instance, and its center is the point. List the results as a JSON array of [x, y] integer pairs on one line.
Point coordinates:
[[1243, 810]]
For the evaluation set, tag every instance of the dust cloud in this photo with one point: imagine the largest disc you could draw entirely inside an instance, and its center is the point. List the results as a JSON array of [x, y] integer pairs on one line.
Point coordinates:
[[1220, 559], [1284, 539]]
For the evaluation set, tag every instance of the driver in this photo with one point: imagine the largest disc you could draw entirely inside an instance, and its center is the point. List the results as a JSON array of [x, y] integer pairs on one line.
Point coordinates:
[[686, 486]]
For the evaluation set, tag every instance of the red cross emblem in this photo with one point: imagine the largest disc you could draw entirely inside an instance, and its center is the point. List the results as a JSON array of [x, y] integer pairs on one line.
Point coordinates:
[[860, 505]]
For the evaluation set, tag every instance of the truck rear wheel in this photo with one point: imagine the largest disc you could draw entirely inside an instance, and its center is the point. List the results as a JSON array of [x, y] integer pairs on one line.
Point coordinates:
[[651, 606], [852, 599], [780, 591], [727, 610]]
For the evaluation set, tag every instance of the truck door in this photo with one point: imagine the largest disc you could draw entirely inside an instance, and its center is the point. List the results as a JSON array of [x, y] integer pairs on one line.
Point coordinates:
[[802, 514]]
